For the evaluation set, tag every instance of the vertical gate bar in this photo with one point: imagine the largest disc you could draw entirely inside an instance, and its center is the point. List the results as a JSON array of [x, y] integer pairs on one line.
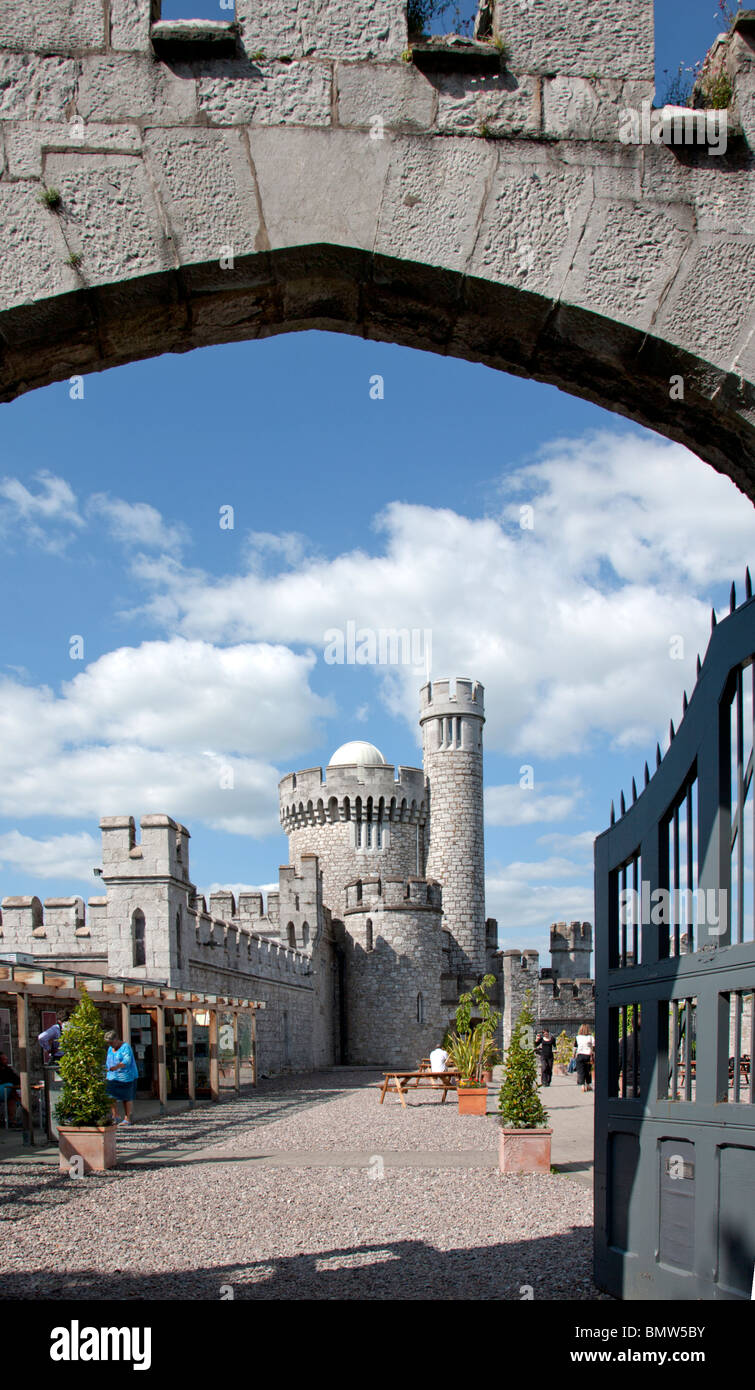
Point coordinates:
[[675, 1051], [689, 896], [752, 1046], [676, 879], [736, 996], [636, 1050], [623, 900], [740, 811], [624, 1016], [635, 909], [688, 1049]]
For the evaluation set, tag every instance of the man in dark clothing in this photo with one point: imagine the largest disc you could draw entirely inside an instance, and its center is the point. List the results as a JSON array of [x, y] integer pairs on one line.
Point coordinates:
[[9, 1084], [545, 1045]]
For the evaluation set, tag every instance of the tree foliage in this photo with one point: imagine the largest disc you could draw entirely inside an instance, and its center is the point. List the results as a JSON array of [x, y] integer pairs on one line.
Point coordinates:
[[83, 1098], [519, 1104]]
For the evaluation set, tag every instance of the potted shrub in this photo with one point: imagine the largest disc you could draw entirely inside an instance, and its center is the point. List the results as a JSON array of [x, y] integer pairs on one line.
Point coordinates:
[[85, 1127], [472, 1050], [562, 1056], [525, 1140]]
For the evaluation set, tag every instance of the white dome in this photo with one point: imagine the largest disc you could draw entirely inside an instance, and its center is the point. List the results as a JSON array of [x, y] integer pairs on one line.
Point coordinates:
[[357, 752]]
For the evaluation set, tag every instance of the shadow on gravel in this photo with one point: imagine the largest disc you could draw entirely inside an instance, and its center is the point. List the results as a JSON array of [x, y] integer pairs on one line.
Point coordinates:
[[554, 1268]]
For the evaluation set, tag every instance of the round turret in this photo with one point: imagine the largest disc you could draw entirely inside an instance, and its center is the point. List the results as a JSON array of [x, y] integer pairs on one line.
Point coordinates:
[[394, 961], [359, 819], [452, 720]]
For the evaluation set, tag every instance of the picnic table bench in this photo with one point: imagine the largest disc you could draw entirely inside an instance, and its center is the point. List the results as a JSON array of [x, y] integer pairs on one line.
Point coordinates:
[[400, 1081]]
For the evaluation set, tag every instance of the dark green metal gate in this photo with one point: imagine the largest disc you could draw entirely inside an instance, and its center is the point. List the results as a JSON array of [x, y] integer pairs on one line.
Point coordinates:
[[675, 1024]]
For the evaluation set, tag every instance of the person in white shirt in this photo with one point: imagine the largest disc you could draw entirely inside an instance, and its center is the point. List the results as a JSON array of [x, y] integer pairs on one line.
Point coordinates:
[[584, 1051], [438, 1059]]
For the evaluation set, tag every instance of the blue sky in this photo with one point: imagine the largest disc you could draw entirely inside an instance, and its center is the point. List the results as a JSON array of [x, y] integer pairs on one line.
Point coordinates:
[[203, 647]]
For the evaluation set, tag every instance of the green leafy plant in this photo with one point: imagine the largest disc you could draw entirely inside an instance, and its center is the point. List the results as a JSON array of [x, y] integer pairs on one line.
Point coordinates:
[[464, 1053], [564, 1048], [472, 1050], [406, 56], [51, 198], [74, 260], [258, 56], [519, 1104], [83, 1098]]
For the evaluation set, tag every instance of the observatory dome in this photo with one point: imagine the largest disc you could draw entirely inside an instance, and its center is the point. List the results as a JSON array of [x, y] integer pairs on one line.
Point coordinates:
[[357, 752]]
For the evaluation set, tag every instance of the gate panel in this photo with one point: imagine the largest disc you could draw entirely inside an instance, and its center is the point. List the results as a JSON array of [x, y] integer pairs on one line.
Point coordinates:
[[675, 982]]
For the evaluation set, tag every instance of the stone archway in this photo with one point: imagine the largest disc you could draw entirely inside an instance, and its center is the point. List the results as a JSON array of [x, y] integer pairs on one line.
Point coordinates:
[[156, 199]]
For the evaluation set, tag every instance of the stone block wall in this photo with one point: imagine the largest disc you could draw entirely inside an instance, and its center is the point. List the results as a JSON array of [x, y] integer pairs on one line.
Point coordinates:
[[579, 38], [394, 960], [62, 925]]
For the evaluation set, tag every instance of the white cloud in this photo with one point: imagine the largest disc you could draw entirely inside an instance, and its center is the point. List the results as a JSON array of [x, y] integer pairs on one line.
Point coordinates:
[[49, 518], [527, 898], [177, 726], [136, 523], [515, 805], [581, 845], [569, 624], [57, 856]]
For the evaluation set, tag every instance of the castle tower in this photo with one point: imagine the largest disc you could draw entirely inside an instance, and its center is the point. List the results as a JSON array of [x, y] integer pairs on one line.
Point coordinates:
[[394, 960], [571, 949], [148, 894], [360, 819], [451, 722]]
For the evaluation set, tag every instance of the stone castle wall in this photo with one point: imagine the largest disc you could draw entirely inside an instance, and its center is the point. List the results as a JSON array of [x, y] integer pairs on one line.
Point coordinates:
[[559, 1002], [394, 961]]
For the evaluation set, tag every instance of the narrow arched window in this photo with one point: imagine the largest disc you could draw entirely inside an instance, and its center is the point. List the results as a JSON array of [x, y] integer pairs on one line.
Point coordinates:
[[291, 932], [179, 943], [420, 1009], [368, 942], [138, 938]]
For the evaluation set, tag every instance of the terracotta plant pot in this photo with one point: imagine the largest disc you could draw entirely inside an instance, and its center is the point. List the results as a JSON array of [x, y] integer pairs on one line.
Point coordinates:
[[524, 1150], [473, 1100], [488, 1075], [94, 1144]]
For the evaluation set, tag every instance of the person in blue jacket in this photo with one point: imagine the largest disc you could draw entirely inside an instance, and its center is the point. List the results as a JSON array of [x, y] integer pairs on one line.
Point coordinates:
[[121, 1075]]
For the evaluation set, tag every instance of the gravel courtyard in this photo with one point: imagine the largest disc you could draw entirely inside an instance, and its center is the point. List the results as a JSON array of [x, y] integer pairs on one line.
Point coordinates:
[[306, 1188]]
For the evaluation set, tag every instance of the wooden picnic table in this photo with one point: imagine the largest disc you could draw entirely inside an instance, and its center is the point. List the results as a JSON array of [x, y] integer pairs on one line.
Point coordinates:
[[399, 1081]]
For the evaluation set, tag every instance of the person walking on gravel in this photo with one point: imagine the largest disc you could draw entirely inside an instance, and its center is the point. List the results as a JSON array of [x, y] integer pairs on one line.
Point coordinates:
[[122, 1073]]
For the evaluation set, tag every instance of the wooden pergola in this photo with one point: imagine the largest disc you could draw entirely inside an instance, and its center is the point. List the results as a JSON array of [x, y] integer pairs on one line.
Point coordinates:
[[27, 982]]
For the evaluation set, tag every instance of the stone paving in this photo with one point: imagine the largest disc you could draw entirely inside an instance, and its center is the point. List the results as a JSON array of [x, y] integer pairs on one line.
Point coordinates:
[[305, 1189]]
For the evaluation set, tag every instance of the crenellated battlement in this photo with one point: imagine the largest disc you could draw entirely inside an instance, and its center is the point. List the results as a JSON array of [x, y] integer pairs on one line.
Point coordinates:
[[393, 894], [61, 924], [571, 936], [446, 697], [355, 792], [162, 851], [218, 944]]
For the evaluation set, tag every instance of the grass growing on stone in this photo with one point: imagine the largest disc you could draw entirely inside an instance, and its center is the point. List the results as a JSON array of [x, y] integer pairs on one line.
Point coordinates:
[[51, 198]]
